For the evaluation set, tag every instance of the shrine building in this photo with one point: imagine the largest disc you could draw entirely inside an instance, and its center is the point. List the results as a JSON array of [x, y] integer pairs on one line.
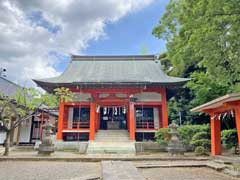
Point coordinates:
[[125, 93]]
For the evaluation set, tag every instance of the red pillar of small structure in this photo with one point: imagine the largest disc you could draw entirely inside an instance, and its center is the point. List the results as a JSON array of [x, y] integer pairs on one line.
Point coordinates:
[[216, 147], [60, 121], [131, 121], [237, 119], [164, 108], [92, 120]]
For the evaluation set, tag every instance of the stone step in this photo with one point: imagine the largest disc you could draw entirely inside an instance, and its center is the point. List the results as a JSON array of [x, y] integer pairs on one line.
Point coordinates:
[[111, 147], [112, 136]]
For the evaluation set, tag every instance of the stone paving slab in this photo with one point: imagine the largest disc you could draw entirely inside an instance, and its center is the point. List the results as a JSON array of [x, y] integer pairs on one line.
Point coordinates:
[[179, 173], [120, 170], [49, 171], [74, 156]]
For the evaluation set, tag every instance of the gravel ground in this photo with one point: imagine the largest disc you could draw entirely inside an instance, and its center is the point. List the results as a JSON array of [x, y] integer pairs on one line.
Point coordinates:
[[183, 174], [49, 170]]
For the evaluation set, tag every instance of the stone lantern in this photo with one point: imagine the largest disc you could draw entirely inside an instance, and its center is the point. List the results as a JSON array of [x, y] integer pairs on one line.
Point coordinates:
[[175, 145], [46, 147]]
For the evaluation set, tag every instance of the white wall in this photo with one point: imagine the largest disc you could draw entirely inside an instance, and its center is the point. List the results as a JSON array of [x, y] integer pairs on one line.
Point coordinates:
[[82, 96], [156, 117], [148, 96], [70, 117], [25, 131], [2, 137]]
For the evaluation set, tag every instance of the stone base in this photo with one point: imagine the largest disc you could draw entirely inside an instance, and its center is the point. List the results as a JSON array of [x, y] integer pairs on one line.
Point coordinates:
[[81, 147], [149, 147], [45, 150]]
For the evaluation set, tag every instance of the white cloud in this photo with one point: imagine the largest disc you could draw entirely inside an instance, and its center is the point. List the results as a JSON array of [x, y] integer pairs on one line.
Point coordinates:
[[32, 29]]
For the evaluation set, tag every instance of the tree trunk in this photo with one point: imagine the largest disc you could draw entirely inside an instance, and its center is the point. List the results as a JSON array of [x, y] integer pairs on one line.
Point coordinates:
[[7, 143]]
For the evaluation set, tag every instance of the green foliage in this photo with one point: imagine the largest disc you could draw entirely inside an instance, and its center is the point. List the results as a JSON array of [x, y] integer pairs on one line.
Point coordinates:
[[162, 136], [64, 94], [203, 40], [187, 132], [201, 139], [196, 135], [229, 138], [200, 151]]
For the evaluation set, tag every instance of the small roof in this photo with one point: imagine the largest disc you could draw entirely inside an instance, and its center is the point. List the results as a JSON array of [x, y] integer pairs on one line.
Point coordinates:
[[8, 88], [217, 102], [92, 71]]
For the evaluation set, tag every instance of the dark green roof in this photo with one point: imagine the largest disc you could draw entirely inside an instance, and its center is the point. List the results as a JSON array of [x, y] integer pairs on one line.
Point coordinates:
[[89, 71]]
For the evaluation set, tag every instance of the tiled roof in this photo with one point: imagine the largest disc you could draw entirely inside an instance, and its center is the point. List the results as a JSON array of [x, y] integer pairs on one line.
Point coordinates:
[[106, 70]]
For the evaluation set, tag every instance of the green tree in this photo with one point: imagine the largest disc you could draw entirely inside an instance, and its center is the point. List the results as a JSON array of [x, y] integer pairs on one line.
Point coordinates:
[[203, 40]]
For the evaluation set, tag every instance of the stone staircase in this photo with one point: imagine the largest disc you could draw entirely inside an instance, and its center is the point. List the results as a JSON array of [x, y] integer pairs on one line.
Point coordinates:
[[111, 142]]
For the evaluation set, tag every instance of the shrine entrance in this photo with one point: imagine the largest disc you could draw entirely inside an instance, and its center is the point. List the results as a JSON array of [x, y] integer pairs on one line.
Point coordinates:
[[113, 117]]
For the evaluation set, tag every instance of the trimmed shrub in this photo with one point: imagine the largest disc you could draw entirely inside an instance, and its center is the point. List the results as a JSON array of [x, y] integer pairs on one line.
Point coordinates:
[[201, 139], [162, 136], [186, 132], [229, 138], [200, 150], [191, 135]]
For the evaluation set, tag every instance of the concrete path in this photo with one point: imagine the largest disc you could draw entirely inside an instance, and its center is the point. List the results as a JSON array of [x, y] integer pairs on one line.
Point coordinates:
[[120, 170]]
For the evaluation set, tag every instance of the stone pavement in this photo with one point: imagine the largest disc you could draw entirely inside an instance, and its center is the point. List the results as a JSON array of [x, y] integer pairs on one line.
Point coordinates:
[[75, 156], [120, 170], [179, 173], [49, 170]]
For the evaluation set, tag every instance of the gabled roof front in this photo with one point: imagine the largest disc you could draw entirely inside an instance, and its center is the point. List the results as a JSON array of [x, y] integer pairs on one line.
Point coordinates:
[[99, 71], [216, 103]]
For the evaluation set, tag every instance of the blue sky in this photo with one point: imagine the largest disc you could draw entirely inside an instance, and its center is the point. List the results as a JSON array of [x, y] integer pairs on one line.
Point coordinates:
[[129, 34], [38, 37]]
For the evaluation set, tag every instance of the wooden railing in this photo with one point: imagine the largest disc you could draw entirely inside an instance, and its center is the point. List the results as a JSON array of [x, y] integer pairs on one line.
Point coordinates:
[[145, 125], [76, 125]]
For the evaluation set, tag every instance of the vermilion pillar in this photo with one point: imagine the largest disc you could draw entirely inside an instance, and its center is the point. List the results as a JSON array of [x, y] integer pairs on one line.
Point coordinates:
[[237, 119], [132, 121], [60, 121], [92, 120], [216, 147], [164, 108]]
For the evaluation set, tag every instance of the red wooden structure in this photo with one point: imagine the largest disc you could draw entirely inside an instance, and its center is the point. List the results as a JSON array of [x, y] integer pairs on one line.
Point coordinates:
[[130, 84], [224, 104]]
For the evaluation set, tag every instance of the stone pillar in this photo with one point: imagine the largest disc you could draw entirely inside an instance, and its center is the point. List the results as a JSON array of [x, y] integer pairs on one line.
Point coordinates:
[[92, 120], [237, 120], [60, 121], [216, 147], [132, 121], [164, 108]]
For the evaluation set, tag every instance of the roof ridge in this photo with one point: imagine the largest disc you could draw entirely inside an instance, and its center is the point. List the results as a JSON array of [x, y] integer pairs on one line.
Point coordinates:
[[113, 57]]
